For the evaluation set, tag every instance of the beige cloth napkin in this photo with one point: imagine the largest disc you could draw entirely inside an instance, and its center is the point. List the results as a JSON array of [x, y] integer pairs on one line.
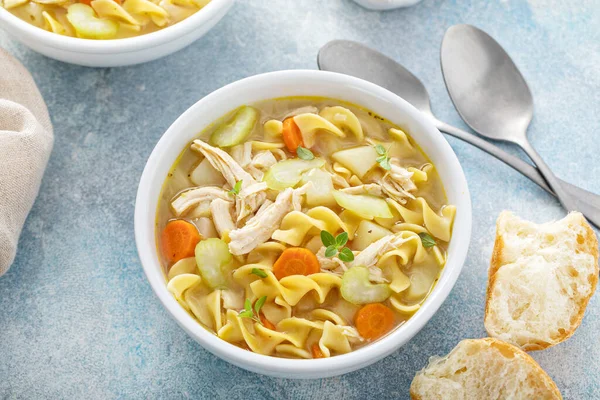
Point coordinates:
[[25, 143]]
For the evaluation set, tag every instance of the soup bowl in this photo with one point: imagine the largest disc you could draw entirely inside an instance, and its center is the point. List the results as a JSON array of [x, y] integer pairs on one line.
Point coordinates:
[[287, 84], [116, 52]]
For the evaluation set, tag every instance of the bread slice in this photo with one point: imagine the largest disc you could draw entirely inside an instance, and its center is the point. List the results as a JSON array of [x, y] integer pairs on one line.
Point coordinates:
[[483, 369], [541, 278]]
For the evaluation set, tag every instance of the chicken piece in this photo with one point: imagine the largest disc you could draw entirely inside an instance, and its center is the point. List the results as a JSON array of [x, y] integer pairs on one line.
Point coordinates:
[[370, 255], [250, 196], [194, 197], [250, 199], [221, 215], [259, 228], [242, 153], [397, 183], [373, 189], [224, 163], [263, 207], [263, 160], [333, 264]]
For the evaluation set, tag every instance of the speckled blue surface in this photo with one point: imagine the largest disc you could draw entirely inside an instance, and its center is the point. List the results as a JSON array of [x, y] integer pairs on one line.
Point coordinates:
[[79, 320]]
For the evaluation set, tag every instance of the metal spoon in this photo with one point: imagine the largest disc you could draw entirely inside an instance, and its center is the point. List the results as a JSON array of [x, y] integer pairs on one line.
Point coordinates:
[[491, 95], [358, 60]]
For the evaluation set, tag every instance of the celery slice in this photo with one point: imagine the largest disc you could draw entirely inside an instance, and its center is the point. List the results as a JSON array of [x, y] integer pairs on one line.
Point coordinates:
[[364, 205], [357, 289], [288, 173], [236, 130], [88, 25], [214, 262]]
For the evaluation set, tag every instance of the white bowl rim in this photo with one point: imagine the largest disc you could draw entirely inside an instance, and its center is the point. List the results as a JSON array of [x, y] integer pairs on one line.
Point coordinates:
[[117, 46], [299, 368]]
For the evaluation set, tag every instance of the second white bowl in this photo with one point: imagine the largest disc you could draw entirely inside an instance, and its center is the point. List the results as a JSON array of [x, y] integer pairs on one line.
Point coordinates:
[[117, 52]]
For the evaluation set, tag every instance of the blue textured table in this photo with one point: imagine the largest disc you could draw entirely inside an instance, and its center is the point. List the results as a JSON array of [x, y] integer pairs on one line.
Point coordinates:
[[79, 320]]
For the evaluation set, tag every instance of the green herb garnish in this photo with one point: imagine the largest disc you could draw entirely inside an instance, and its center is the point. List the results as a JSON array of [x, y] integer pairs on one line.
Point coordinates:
[[236, 188], [259, 272], [304, 153], [335, 245], [253, 314], [384, 157], [427, 240]]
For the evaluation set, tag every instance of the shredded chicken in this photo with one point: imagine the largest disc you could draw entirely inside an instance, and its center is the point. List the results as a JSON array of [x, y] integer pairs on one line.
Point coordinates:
[[330, 264], [259, 228], [302, 110], [263, 160], [338, 267], [194, 197], [370, 255], [397, 183], [263, 207], [242, 153], [221, 215], [252, 193], [369, 188]]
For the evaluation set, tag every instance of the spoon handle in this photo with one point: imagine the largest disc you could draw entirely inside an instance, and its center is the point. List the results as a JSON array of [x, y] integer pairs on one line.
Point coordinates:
[[588, 202], [565, 198]]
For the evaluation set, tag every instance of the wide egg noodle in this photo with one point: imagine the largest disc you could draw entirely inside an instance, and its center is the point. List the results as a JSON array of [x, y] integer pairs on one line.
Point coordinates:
[[292, 288], [343, 119], [296, 225], [205, 305]]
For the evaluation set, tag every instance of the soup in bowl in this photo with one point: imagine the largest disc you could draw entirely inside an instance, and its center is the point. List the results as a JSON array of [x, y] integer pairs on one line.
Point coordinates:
[[310, 221]]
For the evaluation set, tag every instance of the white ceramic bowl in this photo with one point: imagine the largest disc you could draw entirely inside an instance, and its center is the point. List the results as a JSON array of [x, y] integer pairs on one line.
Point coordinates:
[[301, 83], [117, 52]]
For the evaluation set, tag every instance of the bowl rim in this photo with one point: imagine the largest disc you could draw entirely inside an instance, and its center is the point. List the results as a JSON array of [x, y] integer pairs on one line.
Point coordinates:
[[125, 45], [299, 368]]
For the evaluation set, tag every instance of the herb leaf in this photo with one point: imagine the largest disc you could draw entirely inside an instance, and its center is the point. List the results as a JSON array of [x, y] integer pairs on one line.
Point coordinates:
[[236, 188], [327, 239], [346, 255], [304, 153], [259, 272], [384, 157], [247, 305], [258, 305], [335, 245], [341, 239], [331, 251], [427, 240], [380, 149], [246, 314], [385, 164]]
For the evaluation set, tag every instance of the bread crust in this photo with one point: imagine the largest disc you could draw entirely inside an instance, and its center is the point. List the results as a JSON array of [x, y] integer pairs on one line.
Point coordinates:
[[588, 245], [505, 349]]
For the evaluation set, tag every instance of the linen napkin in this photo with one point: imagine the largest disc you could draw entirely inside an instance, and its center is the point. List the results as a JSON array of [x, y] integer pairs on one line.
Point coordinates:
[[25, 143]]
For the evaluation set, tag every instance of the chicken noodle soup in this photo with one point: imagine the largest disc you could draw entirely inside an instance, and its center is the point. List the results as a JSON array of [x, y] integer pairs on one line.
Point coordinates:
[[302, 227], [103, 19]]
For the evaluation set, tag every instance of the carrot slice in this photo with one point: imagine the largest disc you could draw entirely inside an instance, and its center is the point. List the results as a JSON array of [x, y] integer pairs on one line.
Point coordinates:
[[179, 240], [296, 261], [374, 320], [292, 137], [316, 351], [266, 323]]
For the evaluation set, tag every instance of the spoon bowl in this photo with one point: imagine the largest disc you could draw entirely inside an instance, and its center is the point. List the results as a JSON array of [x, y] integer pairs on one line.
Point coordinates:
[[492, 96], [385, 72], [494, 89]]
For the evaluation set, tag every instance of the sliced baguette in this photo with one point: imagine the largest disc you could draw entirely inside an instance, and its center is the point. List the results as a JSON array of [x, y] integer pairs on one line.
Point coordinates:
[[483, 369], [540, 280]]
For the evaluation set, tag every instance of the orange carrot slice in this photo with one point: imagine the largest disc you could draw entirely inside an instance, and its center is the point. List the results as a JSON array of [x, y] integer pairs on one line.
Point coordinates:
[[292, 137], [296, 261], [179, 240], [374, 320]]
